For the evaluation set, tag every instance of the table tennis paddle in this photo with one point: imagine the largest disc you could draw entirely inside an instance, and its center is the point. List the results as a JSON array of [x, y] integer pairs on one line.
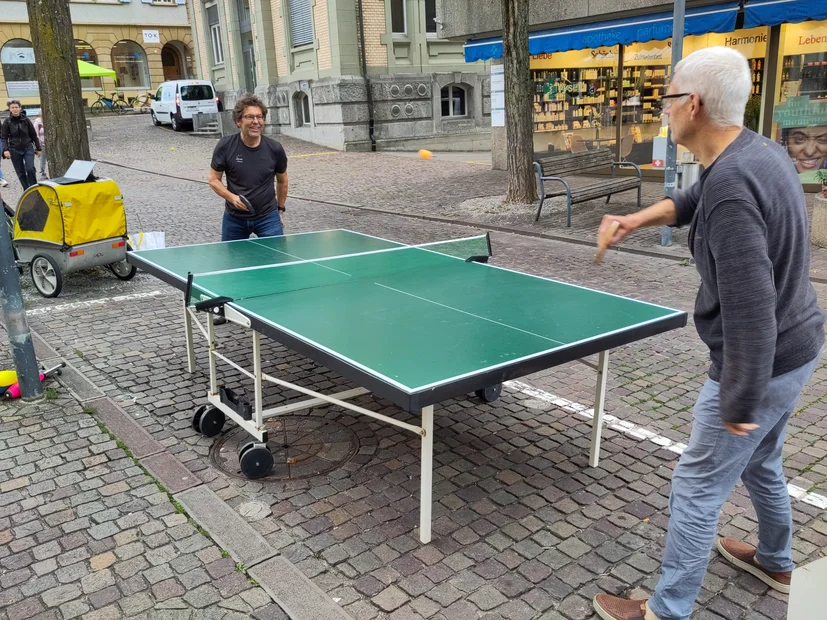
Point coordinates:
[[247, 203], [604, 239]]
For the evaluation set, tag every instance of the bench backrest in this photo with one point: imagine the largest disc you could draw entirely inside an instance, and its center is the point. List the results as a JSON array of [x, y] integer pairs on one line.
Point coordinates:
[[559, 164]]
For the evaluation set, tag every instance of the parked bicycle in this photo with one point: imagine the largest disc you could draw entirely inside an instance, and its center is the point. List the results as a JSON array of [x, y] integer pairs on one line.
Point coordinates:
[[114, 104], [141, 103]]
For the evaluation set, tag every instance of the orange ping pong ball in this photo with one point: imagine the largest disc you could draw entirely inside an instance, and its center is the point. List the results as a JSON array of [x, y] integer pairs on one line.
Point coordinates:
[[425, 154]]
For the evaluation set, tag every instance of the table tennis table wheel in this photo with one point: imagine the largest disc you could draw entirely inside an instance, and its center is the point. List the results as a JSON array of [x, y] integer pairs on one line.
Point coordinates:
[[255, 460], [491, 393], [208, 421]]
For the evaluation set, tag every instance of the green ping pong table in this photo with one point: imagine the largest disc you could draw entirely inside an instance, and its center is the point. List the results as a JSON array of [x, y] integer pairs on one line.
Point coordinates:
[[414, 324]]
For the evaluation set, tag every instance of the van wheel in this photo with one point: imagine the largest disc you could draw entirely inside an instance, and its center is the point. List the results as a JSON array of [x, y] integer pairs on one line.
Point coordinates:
[[155, 120], [176, 124]]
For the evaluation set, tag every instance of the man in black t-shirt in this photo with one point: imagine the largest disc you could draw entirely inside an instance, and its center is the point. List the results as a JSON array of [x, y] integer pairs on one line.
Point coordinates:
[[256, 168]]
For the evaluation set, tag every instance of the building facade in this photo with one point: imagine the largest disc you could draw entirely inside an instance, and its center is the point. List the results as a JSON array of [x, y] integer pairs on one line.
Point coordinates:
[[599, 70], [144, 41], [304, 58]]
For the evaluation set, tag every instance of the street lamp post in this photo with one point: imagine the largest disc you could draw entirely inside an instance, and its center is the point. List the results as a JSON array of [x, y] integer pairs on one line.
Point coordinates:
[[20, 338], [671, 173]]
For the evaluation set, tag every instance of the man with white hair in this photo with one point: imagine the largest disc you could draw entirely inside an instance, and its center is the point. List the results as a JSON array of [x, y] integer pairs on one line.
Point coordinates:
[[758, 314]]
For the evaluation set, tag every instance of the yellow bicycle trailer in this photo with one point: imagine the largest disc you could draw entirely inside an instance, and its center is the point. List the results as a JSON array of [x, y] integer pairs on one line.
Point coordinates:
[[64, 225]]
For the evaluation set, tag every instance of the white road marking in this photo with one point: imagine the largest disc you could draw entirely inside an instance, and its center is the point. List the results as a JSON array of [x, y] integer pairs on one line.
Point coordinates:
[[642, 434], [91, 303]]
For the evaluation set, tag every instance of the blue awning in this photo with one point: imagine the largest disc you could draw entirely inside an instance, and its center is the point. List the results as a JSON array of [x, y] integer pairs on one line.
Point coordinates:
[[774, 12], [657, 27]]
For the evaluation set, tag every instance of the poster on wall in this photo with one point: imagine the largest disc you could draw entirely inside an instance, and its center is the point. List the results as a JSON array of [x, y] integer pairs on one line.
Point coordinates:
[[497, 95], [802, 130], [18, 90]]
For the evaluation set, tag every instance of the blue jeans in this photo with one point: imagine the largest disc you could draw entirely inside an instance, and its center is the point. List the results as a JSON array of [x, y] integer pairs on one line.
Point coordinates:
[[234, 228], [705, 476], [23, 162]]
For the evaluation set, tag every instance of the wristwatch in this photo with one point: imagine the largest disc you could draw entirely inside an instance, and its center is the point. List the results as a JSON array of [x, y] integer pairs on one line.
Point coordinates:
[[281, 209]]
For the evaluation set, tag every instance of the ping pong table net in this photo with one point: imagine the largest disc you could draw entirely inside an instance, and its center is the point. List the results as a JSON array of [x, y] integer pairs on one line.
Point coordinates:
[[206, 290]]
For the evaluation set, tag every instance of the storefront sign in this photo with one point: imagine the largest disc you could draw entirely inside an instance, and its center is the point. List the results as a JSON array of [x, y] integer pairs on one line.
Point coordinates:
[[805, 38], [152, 36], [752, 43], [497, 95]]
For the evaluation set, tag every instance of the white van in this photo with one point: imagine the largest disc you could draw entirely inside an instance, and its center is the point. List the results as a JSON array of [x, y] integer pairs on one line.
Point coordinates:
[[176, 102]]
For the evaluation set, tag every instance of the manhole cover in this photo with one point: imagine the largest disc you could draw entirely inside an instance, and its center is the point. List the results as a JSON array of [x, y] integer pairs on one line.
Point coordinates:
[[302, 447]]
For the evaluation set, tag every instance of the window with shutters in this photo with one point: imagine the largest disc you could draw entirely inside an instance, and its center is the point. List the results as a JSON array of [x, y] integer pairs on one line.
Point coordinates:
[[215, 35], [301, 22]]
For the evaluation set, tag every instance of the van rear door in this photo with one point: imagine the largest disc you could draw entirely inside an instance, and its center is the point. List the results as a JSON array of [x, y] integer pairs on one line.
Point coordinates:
[[196, 98]]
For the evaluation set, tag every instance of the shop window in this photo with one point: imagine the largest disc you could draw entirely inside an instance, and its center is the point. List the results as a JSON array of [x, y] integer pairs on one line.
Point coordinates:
[[430, 16], [17, 59], [87, 53], [801, 102], [454, 101], [399, 20], [214, 26], [301, 22], [130, 65], [302, 108]]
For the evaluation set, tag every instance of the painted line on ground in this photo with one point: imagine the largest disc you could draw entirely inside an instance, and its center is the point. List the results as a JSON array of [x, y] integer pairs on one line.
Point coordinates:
[[640, 433], [314, 154], [91, 302]]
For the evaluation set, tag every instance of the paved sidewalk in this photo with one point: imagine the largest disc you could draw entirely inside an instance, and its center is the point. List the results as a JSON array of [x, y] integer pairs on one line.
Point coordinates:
[[87, 532]]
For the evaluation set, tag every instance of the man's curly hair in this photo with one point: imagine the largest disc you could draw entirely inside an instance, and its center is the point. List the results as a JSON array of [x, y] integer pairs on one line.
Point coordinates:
[[248, 101]]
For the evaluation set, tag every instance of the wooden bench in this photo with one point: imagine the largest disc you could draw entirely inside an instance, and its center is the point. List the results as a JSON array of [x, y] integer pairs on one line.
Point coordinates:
[[557, 165]]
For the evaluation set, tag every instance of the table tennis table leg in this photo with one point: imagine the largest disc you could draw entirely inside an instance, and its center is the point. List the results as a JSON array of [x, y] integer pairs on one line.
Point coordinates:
[[258, 379], [213, 369], [426, 475], [188, 334], [599, 402]]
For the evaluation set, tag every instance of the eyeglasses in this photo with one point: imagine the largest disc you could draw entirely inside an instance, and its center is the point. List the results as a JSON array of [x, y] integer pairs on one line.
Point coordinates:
[[666, 102], [253, 117]]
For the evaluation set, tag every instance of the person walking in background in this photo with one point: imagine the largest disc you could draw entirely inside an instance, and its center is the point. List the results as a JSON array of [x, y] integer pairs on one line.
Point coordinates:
[[20, 144], [41, 134]]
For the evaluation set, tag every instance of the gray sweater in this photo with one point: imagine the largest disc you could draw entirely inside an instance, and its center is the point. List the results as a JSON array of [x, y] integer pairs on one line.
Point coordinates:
[[756, 309]]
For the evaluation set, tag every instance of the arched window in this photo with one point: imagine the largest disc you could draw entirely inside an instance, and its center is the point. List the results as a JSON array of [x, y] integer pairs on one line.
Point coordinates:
[[130, 65], [302, 102], [17, 59], [454, 101], [87, 53]]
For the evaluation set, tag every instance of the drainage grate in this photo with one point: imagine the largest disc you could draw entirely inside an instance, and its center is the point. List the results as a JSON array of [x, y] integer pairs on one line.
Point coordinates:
[[302, 446]]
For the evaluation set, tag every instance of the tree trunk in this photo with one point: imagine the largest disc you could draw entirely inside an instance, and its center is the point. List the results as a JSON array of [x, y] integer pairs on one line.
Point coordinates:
[[59, 81], [522, 187]]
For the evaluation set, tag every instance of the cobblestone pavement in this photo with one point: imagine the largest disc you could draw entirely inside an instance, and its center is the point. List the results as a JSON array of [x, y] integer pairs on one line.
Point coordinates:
[[86, 532], [524, 528]]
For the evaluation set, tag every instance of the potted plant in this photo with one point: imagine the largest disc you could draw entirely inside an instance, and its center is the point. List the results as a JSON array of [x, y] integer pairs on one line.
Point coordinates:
[[821, 175]]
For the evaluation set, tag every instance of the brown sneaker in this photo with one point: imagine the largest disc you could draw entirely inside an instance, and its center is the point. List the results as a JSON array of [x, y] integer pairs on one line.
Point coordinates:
[[613, 608], [742, 555]]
